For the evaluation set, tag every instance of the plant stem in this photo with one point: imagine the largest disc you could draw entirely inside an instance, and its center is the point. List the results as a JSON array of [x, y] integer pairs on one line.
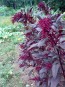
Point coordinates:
[[61, 63]]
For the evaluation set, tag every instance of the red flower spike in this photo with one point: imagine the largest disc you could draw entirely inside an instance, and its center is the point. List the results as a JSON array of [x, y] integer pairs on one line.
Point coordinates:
[[48, 66], [44, 7], [17, 17], [45, 24]]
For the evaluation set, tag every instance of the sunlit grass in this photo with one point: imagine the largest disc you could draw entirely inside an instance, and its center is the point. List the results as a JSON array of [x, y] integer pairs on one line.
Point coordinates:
[[5, 21]]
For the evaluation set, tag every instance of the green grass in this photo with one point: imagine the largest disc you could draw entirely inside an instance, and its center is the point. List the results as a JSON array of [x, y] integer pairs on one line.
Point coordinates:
[[5, 20], [10, 37], [8, 56]]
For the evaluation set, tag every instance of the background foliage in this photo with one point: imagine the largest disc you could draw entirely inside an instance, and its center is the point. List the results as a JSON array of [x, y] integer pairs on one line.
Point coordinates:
[[55, 4]]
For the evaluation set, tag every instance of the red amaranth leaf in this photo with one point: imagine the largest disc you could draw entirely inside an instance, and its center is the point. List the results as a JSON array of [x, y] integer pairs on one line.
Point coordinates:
[[38, 68], [21, 65], [55, 69], [35, 78], [54, 82]]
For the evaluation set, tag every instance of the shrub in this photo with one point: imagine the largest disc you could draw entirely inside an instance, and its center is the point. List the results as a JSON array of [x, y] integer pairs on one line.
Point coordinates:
[[44, 47]]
